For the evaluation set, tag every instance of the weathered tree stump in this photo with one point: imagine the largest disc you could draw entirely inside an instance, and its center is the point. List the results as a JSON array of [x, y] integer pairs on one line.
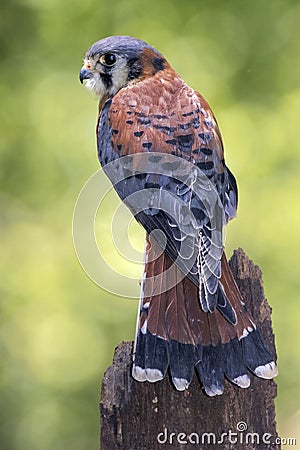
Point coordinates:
[[145, 416]]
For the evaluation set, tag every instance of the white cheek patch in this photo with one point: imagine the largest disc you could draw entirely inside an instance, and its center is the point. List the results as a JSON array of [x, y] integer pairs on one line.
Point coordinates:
[[119, 77], [95, 85]]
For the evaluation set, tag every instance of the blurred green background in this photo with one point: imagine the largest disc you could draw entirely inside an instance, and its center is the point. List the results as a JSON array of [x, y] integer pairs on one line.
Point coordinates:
[[58, 329]]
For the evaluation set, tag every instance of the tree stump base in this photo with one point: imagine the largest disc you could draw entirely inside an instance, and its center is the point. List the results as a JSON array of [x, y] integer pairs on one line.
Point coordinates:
[[145, 416]]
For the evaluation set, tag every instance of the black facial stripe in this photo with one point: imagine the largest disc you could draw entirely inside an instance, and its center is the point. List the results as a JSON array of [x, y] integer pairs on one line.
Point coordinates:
[[158, 64], [135, 69], [106, 78]]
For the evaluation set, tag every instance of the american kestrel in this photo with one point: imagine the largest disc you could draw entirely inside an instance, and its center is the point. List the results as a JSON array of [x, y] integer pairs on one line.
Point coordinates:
[[159, 143]]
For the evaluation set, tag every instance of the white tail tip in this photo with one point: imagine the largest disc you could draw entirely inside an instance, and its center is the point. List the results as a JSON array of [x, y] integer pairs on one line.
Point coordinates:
[[214, 390], [181, 384], [242, 381], [152, 375], [138, 373], [267, 371]]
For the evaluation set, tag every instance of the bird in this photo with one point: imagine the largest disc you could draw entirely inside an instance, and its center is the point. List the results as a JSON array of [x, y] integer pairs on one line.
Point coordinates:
[[159, 143]]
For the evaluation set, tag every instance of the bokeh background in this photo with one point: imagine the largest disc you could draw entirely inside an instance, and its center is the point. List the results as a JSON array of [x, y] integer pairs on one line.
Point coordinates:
[[58, 329]]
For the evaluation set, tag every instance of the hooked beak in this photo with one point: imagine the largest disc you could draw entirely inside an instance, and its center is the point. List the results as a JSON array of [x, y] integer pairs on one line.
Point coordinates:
[[84, 74]]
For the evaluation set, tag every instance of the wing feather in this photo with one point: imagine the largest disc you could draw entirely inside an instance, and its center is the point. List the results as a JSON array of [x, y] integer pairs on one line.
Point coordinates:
[[164, 116]]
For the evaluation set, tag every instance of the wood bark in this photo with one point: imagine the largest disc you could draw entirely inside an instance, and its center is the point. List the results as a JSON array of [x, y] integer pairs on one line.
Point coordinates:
[[145, 416]]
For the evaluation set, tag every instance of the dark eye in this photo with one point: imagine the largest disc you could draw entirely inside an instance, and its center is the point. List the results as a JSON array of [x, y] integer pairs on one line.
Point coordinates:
[[108, 59]]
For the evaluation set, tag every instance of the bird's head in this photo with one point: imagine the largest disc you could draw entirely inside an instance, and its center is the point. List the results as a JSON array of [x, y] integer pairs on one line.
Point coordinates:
[[116, 62]]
